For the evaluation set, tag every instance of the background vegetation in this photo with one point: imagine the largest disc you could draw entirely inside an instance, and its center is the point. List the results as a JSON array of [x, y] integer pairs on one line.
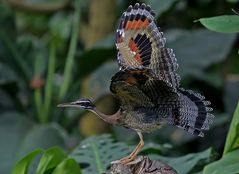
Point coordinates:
[[61, 50]]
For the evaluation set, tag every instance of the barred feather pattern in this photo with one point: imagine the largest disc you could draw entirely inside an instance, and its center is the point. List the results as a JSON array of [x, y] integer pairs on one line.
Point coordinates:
[[141, 44], [194, 112], [147, 84]]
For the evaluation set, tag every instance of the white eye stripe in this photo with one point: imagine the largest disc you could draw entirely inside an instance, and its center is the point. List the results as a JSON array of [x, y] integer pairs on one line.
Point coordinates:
[[80, 102]]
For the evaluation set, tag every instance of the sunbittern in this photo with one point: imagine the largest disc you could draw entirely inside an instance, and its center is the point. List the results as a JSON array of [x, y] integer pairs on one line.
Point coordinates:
[[147, 84]]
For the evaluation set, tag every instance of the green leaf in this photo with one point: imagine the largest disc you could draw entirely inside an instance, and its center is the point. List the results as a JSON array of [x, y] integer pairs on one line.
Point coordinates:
[[19, 136], [68, 166], [50, 159], [228, 164], [23, 165], [185, 164], [98, 152], [232, 141], [225, 24], [13, 128], [36, 137], [198, 49]]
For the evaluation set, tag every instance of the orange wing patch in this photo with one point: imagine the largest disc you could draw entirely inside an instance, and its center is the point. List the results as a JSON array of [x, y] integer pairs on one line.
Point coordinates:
[[137, 24], [134, 47], [135, 77], [131, 80]]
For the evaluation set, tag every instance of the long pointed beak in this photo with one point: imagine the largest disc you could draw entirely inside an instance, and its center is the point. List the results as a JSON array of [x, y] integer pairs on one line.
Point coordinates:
[[71, 104]]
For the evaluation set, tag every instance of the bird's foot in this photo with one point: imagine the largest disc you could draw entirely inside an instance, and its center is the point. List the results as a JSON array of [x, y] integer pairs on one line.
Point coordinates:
[[128, 160]]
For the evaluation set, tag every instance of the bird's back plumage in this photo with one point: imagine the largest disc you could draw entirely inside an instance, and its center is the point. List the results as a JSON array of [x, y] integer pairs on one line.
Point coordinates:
[[147, 83]]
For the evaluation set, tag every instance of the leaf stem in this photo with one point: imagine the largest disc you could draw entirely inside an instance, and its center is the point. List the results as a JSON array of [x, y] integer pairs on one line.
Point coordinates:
[[97, 158], [71, 52], [38, 103], [38, 91], [49, 82]]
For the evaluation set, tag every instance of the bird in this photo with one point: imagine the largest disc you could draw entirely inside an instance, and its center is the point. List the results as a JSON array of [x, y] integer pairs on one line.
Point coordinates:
[[147, 84]]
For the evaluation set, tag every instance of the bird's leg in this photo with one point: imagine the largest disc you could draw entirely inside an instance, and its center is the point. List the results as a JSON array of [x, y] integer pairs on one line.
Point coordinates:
[[136, 151]]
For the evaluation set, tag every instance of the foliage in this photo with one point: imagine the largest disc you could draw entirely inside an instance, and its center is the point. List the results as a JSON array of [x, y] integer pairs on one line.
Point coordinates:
[[187, 163], [95, 153], [45, 59], [53, 160], [232, 141], [98, 152], [187, 43], [19, 136], [227, 164], [225, 24], [229, 161], [23, 165]]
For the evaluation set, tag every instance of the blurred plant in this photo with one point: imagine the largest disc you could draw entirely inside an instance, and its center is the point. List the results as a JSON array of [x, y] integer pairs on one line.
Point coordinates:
[[59, 50], [94, 154], [53, 161], [229, 161]]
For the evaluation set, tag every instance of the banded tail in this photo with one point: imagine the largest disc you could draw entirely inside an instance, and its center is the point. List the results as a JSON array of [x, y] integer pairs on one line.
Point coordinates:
[[193, 115]]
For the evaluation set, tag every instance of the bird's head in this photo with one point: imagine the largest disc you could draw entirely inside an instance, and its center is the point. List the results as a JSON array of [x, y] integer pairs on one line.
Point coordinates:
[[81, 103]]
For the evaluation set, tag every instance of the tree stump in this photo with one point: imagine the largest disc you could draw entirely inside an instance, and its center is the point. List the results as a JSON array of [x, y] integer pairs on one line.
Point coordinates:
[[141, 165]]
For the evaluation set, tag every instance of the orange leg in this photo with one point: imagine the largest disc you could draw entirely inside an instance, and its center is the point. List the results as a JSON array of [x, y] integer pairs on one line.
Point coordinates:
[[136, 151]]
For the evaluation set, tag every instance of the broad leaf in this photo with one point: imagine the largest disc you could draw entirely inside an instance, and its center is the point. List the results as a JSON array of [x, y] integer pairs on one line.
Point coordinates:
[[23, 165], [198, 49], [19, 136], [228, 164], [13, 129], [50, 159], [68, 166], [232, 141], [53, 161], [225, 24], [97, 153], [185, 164], [37, 138]]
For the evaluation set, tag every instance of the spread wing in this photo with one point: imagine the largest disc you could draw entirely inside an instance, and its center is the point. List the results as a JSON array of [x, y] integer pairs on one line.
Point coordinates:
[[140, 44], [141, 88]]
